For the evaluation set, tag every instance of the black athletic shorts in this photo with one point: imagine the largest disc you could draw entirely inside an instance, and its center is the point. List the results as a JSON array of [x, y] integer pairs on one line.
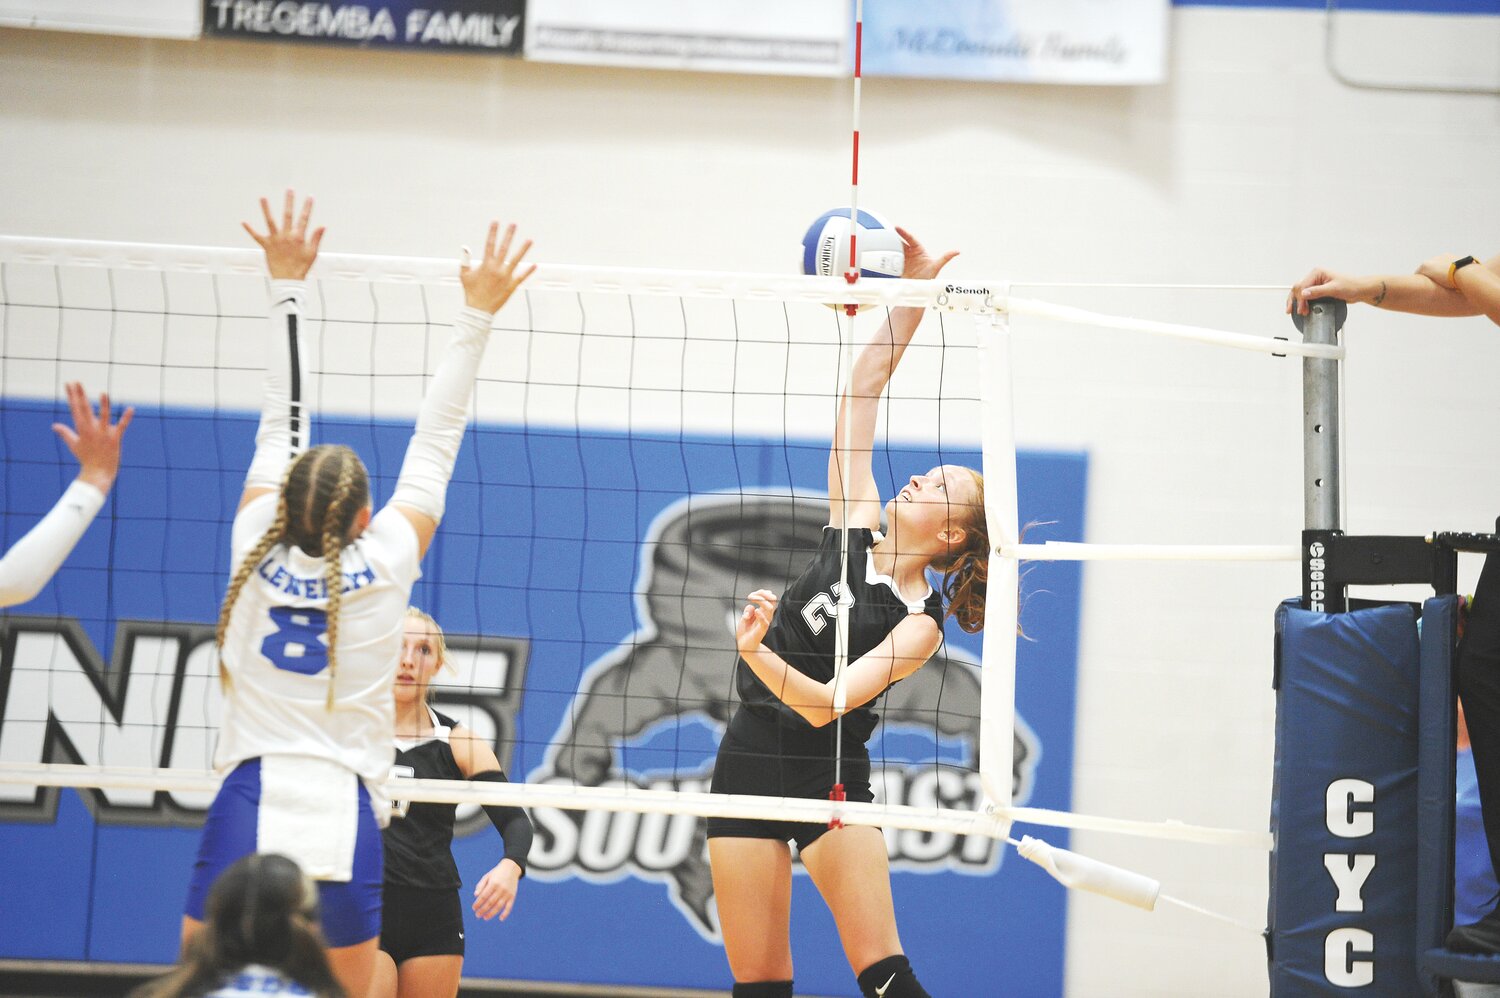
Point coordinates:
[[775, 759], [419, 921]]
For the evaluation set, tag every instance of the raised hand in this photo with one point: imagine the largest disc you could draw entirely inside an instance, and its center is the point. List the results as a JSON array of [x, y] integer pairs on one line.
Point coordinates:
[[755, 620], [290, 250], [94, 441], [917, 263], [490, 284]]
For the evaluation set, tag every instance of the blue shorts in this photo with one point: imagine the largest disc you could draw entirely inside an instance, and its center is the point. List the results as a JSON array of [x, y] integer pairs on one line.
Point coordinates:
[[350, 911]]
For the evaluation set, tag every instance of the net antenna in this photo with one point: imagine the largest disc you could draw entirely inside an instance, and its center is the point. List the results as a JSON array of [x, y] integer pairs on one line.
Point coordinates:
[[845, 447]]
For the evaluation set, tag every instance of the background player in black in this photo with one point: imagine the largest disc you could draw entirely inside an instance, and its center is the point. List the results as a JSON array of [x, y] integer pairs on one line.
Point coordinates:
[[421, 940], [781, 739]]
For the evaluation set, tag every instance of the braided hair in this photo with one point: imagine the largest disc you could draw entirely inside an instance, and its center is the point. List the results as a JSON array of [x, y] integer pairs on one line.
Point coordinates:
[[321, 494], [966, 567]]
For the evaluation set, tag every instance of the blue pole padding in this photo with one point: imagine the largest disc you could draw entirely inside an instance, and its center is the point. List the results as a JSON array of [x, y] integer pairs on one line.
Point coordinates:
[[1437, 733], [1345, 804]]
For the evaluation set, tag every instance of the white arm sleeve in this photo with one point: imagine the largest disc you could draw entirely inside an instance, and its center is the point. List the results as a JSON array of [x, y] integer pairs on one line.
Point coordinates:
[[423, 484], [35, 558], [283, 417]]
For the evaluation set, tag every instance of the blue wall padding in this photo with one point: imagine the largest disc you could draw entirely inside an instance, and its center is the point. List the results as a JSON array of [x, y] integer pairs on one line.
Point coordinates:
[[1435, 781], [1346, 729]]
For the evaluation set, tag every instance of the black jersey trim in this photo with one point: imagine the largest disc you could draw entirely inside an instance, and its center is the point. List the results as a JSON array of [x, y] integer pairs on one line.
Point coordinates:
[[296, 399], [872, 576]]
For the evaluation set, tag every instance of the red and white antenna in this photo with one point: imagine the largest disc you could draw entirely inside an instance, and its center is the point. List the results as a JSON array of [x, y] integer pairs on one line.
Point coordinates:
[[845, 448], [852, 274]]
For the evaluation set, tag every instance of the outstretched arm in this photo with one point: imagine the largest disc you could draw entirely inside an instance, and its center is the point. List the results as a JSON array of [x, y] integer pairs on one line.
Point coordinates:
[[95, 442], [422, 488], [850, 475], [495, 893], [283, 433], [905, 650]]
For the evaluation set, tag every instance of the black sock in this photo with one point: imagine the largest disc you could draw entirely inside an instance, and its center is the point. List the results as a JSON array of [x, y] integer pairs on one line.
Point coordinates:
[[763, 989], [891, 978]]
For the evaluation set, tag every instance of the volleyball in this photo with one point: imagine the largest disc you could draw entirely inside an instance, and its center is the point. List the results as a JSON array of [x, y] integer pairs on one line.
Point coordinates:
[[825, 248]]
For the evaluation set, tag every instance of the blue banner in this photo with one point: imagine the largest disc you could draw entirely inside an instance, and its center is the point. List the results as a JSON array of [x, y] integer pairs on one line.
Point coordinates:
[[564, 558]]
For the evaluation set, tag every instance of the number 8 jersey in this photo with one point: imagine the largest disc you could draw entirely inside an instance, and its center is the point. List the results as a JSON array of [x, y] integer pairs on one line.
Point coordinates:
[[276, 654]]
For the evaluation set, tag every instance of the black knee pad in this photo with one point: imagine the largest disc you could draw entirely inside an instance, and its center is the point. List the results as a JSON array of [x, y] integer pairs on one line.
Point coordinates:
[[763, 989], [891, 978]]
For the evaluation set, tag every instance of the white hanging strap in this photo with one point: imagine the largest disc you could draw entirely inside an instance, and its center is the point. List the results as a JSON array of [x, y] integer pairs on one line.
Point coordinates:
[[1254, 930], [1078, 872], [1082, 873]]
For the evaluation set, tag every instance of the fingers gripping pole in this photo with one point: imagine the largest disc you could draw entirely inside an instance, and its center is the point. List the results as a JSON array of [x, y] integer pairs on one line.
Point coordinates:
[[1081, 873]]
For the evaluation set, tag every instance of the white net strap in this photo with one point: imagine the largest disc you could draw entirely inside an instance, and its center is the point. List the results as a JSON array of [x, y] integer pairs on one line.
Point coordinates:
[[974, 297], [992, 822]]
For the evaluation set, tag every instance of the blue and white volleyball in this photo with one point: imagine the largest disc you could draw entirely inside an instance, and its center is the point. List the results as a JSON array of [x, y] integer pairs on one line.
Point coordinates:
[[825, 248]]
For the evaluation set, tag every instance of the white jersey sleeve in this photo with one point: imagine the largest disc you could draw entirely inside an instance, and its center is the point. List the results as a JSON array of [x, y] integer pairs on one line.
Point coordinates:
[[283, 430], [433, 450], [36, 557]]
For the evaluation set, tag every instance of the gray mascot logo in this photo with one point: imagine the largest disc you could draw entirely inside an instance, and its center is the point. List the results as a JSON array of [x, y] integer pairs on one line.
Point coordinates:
[[677, 673]]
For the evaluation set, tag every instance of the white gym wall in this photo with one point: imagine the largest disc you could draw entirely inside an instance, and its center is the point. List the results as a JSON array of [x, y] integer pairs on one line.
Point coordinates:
[[1251, 165]]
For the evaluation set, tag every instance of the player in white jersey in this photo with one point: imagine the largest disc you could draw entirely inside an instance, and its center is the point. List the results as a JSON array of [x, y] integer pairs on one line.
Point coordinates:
[[95, 442], [261, 938], [310, 631], [781, 740]]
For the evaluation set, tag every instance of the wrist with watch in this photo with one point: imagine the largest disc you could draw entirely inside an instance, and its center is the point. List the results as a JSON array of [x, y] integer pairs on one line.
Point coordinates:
[[1457, 265]]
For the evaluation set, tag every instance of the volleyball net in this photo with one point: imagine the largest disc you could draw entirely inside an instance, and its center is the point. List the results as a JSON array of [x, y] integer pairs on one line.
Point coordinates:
[[646, 448]]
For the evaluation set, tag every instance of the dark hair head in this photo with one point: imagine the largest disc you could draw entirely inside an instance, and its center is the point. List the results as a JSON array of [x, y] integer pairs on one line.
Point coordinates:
[[257, 906], [261, 910]]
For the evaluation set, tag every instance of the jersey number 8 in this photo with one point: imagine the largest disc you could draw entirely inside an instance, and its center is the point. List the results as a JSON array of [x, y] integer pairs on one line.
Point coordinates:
[[297, 644]]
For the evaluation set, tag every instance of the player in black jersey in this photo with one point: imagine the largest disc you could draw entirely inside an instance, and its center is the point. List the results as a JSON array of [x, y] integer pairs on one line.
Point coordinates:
[[781, 741], [422, 938]]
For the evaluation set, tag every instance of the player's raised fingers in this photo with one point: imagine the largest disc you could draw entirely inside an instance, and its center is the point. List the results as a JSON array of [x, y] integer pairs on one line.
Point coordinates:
[[489, 241], [504, 250]]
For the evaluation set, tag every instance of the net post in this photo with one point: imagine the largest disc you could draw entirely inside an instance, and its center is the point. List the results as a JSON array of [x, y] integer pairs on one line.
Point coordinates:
[[997, 683], [1320, 455]]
